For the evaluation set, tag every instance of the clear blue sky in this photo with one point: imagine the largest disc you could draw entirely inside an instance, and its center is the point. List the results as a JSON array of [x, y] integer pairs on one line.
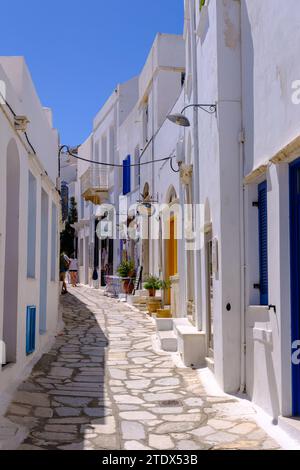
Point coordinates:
[[78, 50]]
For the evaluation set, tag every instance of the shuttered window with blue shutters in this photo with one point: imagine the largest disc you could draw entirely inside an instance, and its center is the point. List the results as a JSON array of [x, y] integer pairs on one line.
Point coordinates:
[[30, 329], [263, 243], [126, 175]]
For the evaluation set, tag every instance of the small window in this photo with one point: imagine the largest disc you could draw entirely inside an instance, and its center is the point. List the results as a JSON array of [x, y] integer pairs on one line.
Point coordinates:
[[30, 329], [263, 243]]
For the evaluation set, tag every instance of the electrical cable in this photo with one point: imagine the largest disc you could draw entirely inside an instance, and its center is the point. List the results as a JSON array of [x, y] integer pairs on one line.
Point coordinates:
[[15, 115], [172, 167], [114, 165]]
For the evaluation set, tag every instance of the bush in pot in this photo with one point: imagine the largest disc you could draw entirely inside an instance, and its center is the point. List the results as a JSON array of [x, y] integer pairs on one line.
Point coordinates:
[[126, 270], [153, 283]]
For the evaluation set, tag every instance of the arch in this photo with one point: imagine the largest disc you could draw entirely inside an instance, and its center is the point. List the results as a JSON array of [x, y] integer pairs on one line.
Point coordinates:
[[146, 191], [171, 195], [11, 266]]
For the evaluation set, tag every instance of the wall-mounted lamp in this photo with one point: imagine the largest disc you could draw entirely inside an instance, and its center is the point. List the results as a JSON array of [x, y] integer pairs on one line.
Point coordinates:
[[181, 120]]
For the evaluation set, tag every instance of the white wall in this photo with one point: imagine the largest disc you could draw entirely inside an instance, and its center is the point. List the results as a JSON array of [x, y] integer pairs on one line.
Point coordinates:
[[24, 101], [271, 121]]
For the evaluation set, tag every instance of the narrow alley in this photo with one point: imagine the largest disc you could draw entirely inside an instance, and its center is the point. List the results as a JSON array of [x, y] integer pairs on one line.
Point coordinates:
[[104, 386]]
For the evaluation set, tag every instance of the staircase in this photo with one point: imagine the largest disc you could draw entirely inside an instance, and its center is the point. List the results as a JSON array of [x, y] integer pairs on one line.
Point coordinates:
[[178, 334]]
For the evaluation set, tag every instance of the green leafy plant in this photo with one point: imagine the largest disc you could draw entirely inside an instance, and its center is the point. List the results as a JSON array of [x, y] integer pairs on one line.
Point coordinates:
[[154, 283], [202, 4], [126, 269]]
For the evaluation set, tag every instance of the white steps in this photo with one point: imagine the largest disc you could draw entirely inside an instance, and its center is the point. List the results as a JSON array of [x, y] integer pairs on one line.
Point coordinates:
[[210, 363], [191, 343], [164, 324], [167, 341]]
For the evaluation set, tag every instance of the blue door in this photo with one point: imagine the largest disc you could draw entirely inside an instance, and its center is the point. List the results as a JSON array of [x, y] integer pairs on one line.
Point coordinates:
[[295, 276]]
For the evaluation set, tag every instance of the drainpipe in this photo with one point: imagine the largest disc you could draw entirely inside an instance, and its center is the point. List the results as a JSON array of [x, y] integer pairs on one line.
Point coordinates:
[[243, 265], [242, 230], [196, 182]]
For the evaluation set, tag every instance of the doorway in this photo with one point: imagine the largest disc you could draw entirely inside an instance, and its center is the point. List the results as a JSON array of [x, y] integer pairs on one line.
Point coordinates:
[[210, 293], [11, 269], [295, 277], [172, 255]]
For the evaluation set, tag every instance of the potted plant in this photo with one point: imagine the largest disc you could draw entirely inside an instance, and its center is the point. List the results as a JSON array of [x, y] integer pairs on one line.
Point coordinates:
[[126, 270], [153, 283]]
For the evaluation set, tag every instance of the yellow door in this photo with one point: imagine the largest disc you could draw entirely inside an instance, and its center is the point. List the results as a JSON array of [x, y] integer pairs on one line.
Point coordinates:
[[172, 256]]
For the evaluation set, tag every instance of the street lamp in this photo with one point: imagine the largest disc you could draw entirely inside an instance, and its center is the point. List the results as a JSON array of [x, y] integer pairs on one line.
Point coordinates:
[[181, 120]]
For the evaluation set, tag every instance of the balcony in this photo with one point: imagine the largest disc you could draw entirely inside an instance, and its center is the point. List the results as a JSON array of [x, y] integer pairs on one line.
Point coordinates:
[[95, 184]]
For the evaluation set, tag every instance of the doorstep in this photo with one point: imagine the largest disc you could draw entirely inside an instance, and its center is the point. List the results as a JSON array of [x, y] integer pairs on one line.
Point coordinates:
[[291, 426], [191, 343], [167, 340]]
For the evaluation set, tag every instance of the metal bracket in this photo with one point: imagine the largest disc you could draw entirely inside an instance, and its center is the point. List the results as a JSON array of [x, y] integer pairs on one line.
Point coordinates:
[[272, 307]]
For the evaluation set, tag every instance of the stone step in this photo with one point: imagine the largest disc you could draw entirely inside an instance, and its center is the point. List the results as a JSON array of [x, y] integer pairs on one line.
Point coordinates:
[[191, 343], [163, 313], [167, 341], [291, 426], [210, 363], [164, 324]]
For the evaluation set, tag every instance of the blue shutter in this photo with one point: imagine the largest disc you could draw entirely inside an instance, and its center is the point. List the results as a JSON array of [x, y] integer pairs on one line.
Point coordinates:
[[30, 329], [263, 243], [126, 175]]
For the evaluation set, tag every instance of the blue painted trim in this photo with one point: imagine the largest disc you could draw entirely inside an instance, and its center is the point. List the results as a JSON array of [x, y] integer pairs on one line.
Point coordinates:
[[263, 242], [295, 276], [126, 175], [30, 329]]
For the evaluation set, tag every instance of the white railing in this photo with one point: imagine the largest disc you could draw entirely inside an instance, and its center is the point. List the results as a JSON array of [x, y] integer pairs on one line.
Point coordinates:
[[95, 178]]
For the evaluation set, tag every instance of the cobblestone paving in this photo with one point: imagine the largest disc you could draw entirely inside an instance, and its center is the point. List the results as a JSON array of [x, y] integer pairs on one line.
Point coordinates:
[[103, 386]]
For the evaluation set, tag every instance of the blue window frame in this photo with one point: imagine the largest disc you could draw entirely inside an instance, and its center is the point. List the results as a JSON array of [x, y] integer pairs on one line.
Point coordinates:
[[30, 329], [263, 243], [126, 175], [295, 277]]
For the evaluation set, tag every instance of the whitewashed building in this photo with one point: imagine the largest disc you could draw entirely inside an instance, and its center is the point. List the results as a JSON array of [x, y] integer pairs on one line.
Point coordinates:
[[235, 302], [29, 224], [100, 184], [248, 169]]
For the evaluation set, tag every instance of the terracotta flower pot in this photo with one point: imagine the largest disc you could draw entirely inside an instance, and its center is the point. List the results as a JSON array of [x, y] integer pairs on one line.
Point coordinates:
[[128, 286], [152, 292]]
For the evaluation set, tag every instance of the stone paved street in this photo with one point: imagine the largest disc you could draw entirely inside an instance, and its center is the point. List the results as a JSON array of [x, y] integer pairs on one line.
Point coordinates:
[[104, 386]]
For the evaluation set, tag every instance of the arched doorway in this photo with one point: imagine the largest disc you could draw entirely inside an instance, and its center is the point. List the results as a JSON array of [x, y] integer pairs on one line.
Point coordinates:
[[209, 281], [145, 232], [11, 267], [171, 242]]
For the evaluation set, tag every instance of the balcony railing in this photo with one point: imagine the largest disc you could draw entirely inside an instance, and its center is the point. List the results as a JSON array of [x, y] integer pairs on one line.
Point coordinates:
[[95, 184]]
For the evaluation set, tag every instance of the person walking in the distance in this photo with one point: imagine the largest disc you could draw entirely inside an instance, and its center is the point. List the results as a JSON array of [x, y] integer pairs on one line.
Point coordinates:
[[73, 269], [64, 264]]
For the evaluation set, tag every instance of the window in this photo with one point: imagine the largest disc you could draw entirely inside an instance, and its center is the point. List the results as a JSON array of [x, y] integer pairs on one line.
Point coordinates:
[[137, 168], [30, 329], [53, 242], [263, 242], [126, 175], [31, 229]]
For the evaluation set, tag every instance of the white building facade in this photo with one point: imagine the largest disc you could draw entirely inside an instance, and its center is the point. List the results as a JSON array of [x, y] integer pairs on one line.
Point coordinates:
[[29, 225], [235, 302], [248, 164]]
